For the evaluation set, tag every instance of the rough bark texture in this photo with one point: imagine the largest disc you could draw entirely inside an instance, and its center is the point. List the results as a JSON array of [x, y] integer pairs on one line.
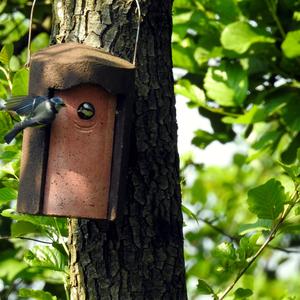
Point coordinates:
[[140, 256]]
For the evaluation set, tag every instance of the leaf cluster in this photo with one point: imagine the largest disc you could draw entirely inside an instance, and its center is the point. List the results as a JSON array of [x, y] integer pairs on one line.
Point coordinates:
[[241, 60], [240, 65]]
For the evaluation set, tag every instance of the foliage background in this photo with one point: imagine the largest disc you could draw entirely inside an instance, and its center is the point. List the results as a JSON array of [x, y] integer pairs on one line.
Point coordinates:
[[241, 63], [240, 60]]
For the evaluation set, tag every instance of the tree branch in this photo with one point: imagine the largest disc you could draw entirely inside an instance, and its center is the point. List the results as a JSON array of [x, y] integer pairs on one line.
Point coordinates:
[[237, 239], [272, 10], [24, 238], [270, 237]]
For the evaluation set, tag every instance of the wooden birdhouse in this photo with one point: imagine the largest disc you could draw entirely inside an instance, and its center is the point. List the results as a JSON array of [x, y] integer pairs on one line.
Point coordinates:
[[77, 166]]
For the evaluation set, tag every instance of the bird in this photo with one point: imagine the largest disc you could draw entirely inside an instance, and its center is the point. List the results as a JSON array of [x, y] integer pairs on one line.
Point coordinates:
[[86, 110], [38, 111]]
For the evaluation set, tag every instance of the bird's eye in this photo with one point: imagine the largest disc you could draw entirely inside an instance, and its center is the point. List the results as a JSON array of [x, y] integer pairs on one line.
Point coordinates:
[[86, 110]]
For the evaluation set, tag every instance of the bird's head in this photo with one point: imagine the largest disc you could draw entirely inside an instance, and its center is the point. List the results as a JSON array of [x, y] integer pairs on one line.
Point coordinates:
[[86, 110], [57, 102]]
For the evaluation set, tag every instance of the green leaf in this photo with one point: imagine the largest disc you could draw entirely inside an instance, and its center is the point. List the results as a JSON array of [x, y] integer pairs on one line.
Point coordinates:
[[290, 114], [291, 44], [20, 83], [2, 5], [204, 288], [254, 115], [225, 251], [227, 11], [239, 159], [7, 194], [6, 124], [197, 192], [247, 247], [203, 54], [183, 4], [184, 58], [6, 53], [227, 84], [11, 183], [3, 90], [10, 267], [291, 170], [49, 222], [14, 64], [259, 225], [46, 257], [267, 200], [39, 42], [267, 139], [182, 18], [297, 210], [13, 26], [289, 155], [8, 169], [22, 228], [239, 36], [192, 92], [34, 294], [60, 248], [241, 293], [287, 227], [8, 156], [202, 138]]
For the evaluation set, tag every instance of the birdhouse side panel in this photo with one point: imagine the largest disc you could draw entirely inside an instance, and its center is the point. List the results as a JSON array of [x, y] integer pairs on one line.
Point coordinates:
[[33, 168]]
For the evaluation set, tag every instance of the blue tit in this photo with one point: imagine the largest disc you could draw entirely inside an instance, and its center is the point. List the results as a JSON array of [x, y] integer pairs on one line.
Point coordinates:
[[38, 111], [86, 111]]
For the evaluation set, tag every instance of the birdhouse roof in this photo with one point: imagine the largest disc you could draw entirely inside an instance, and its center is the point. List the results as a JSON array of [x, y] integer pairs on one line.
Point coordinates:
[[63, 66]]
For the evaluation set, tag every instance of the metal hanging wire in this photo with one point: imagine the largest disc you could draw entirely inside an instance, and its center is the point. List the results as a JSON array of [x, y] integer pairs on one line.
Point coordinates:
[[29, 34], [137, 32]]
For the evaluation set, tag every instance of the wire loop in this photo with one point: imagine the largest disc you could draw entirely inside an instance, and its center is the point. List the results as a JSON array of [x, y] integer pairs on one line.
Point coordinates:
[[137, 32], [29, 34]]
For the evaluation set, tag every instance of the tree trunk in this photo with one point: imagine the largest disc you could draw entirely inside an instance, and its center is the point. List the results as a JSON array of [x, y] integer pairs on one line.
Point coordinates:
[[140, 255]]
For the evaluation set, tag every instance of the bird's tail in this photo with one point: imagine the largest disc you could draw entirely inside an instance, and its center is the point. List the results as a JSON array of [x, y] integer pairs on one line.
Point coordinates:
[[18, 128], [13, 133]]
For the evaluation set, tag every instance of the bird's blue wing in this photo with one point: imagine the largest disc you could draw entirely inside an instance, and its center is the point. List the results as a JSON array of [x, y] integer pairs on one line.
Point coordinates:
[[24, 105]]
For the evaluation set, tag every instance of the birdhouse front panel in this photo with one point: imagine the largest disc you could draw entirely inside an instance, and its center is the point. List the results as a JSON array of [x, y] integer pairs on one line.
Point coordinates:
[[80, 153]]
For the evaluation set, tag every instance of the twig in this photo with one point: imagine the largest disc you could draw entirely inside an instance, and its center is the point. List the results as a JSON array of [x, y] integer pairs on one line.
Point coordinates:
[[265, 244], [13, 286], [220, 230], [67, 291], [272, 10], [59, 235], [221, 112], [284, 250], [24, 238], [7, 77], [237, 239]]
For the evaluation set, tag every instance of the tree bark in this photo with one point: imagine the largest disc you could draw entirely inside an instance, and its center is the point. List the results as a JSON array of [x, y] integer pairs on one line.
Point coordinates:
[[140, 255]]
